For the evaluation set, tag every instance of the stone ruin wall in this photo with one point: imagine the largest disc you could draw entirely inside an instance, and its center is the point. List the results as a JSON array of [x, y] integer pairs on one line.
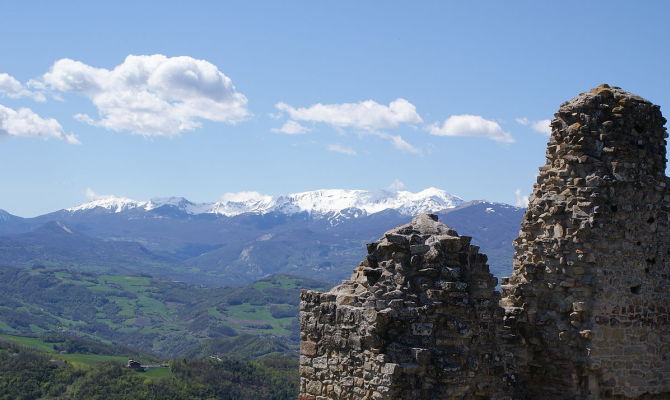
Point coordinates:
[[417, 320], [590, 293], [586, 310]]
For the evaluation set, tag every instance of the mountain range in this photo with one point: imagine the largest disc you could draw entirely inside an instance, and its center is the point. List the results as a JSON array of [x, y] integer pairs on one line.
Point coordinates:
[[318, 234], [323, 203]]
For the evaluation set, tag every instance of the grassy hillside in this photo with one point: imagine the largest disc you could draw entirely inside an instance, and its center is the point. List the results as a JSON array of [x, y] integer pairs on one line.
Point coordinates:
[[157, 316], [244, 347], [78, 352]]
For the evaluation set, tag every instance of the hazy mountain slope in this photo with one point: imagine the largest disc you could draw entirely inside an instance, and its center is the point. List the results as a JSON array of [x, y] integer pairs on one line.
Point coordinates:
[[56, 244], [493, 227], [10, 224]]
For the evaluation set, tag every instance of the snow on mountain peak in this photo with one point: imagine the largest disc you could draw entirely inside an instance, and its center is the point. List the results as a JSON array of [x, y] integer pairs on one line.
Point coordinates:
[[316, 202], [373, 201], [111, 203], [242, 202], [178, 202]]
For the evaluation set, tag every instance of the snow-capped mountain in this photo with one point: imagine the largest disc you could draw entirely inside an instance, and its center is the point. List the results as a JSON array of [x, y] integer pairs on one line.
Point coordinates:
[[328, 202], [113, 204], [119, 204], [245, 236]]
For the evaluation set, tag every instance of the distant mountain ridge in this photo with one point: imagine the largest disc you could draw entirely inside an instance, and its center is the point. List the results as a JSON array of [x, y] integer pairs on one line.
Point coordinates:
[[316, 202], [58, 245], [318, 235]]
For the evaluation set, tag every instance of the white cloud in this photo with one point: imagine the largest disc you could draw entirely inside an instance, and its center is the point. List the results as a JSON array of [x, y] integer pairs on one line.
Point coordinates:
[[291, 128], [11, 87], [240, 197], [25, 123], [541, 126], [521, 201], [471, 125], [366, 115], [151, 95], [396, 185], [400, 144], [397, 141], [338, 148], [92, 195]]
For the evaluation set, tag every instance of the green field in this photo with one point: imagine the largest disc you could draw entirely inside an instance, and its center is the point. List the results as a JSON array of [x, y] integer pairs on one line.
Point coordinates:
[[33, 343], [79, 360]]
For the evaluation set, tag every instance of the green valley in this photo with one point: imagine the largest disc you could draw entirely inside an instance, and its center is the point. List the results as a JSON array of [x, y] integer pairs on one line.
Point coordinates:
[[156, 316]]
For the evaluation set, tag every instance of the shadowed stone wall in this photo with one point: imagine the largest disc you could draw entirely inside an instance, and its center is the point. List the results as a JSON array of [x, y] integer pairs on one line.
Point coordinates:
[[417, 320], [589, 298]]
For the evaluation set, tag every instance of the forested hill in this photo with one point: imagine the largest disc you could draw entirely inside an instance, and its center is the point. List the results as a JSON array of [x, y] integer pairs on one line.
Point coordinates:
[[29, 374], [157, 316]]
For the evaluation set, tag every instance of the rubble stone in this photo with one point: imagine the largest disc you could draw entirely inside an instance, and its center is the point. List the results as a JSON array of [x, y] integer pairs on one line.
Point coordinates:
[[417, 320], [589, 295]]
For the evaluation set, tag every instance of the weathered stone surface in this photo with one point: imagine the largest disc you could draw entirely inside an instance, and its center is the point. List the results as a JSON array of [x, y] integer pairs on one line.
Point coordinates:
[[588, 302], [586, 310], [422, 326]]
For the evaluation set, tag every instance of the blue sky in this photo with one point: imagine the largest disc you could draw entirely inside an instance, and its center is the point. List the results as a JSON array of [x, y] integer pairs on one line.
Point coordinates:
[[412, 94]]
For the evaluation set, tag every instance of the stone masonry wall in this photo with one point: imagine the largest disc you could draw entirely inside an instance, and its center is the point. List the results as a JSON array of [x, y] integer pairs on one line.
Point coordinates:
[[417, 320], [588, 304], [584, 316]]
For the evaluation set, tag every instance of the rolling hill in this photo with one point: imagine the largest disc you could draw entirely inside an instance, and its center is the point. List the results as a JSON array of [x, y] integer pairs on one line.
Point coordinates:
[[152, 315]]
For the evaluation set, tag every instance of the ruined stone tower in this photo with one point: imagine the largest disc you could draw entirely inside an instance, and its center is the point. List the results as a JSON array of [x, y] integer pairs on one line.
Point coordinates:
[[589, 298], [417, 320], [586, 310]]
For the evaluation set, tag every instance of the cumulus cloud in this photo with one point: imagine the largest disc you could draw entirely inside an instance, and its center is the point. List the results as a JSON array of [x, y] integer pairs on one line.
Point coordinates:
[[292, 128], [92, 195], [151, 95], [541, 126], [364, 115], [25, 123], [12, 88], [471, 125], [9, 85], [338, 148], [396, 185], [521, 200]]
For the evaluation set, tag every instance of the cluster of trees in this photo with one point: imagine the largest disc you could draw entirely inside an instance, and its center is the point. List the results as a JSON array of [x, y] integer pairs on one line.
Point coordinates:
[[74, 344], [28, 375]]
